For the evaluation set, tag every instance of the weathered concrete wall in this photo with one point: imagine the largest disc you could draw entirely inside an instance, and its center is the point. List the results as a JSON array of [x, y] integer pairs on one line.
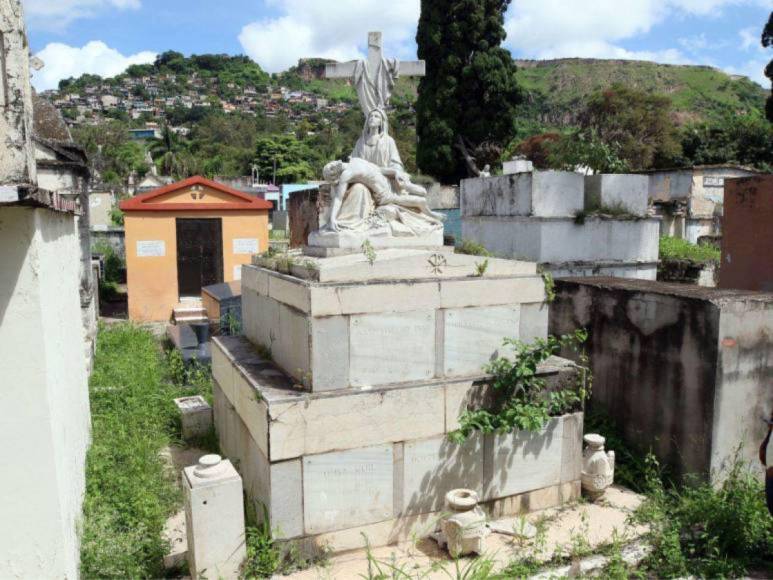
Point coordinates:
[[538, 194], [747, 239], [100, 206], [45, 424], [744, 379], [17, 162], [676, 366]]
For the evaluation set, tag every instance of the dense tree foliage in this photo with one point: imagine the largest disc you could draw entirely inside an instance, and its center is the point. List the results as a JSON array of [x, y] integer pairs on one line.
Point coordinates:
[[468, 99], [230, 73], [637, 125], [623, 129], [746, 140], [767, 42], [284, 156]]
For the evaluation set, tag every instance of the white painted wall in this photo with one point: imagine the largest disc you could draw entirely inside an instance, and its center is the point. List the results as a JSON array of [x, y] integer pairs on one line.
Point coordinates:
[[44, 424]]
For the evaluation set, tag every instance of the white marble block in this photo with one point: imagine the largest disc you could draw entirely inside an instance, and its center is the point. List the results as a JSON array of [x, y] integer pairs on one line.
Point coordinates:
[[624, 191], [392, 348], [473, 337], [214, 517], [520, 461], [536, 194], [433, 467], [517, 166]]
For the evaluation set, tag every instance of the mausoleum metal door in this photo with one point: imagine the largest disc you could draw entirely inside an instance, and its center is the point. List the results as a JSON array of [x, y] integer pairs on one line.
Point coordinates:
[[199, 255]]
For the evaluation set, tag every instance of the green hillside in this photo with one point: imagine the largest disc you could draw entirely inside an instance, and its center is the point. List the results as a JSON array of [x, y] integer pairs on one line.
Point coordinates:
[[557, 88], [235, 114]]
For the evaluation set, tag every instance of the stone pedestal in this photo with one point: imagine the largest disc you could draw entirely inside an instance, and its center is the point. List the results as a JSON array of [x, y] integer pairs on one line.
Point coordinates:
[[214, 518], [345, 431], [411, 315]]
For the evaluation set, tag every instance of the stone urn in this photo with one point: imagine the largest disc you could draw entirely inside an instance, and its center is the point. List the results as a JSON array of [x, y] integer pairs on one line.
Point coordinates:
[[598, 467], [464, 531]]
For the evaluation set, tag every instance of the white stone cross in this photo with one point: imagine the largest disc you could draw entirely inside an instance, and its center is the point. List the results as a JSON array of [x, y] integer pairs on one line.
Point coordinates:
[[346, 70]]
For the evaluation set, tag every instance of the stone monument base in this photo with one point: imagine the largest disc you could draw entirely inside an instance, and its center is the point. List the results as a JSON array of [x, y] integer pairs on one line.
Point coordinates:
[[328, 467], [347, 240]]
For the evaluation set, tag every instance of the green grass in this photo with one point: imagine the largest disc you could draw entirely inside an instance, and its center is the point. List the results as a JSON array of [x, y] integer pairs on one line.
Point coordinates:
[[679, 249], [719, 529], [130, 491]]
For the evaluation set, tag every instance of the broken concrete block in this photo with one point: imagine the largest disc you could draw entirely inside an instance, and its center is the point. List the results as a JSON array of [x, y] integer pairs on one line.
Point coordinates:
[[195, 415]]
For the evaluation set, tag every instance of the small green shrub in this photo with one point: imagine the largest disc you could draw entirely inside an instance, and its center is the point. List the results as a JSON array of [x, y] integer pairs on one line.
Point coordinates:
[[116, 217], [521, 400], [114, 265], [708, 529], [472, 249], [263, 556], [481, 267], [108, 291], [679, 249], [267, 559]]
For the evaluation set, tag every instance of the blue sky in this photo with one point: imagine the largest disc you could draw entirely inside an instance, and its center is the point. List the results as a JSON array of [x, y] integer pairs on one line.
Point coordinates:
[[104, 36]]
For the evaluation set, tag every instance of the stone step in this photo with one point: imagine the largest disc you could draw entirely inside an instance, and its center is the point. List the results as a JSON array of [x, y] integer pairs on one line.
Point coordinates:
[[190, 312]]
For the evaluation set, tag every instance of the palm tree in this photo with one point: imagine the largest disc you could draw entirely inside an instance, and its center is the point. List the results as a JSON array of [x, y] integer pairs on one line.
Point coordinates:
[[166, 152]]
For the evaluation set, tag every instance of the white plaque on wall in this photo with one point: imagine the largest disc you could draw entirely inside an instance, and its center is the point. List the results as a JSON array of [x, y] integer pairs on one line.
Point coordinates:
[[237, 272], [246, 246], [151, 249]]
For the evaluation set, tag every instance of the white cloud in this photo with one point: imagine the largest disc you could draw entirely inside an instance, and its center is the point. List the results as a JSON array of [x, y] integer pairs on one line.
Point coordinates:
[[751, 38], [58, 14], [320, 28], [553, 29], [62, 61]]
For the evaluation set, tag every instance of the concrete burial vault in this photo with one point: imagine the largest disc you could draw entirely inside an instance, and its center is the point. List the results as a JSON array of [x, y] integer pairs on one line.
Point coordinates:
[[339, 426]]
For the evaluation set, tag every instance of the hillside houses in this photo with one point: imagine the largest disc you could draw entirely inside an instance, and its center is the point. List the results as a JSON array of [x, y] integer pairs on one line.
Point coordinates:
[[152, 97]]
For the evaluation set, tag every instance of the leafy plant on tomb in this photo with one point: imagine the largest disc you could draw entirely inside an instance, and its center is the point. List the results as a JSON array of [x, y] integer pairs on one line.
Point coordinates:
[[472, 248], [481, 267], [680, 249], [369, 252], [616, 211], [550, 287], [520, 397], [230, 325], [267, 558]]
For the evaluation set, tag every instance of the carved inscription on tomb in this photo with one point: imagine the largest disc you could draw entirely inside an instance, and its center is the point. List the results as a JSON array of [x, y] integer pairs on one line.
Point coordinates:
[[347, 488]]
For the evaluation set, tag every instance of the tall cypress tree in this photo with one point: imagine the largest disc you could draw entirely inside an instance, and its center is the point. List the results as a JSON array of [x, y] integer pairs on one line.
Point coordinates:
[[467, 101], [767, 41]]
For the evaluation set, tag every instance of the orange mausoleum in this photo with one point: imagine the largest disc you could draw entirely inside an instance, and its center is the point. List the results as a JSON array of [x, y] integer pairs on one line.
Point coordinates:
[[187, 235]]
